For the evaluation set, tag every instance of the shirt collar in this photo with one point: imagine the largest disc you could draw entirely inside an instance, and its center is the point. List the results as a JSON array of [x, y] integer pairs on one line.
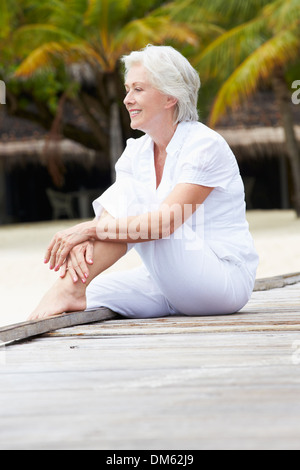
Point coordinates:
[[148, 145], [178, 138], [176, 142]]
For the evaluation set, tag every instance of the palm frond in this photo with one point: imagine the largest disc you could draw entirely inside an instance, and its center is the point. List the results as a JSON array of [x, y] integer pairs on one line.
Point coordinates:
[[280, 14], [258, 66], [50, 30], [233, 12], [65, 14], [201, 21], [46, 55], [106, 14], [226, 52], [40, 58], [189, 11], [29, 37], [5, 18], [153, 29]]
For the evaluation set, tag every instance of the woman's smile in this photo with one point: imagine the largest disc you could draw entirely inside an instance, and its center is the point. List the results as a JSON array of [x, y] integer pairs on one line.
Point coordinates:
[[145, 104], [134, 112]]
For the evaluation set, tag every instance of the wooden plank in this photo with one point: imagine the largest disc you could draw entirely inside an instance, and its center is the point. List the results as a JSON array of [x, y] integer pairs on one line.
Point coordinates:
[[276, 282], [276, 310], [235, 390], [24, 330], [127, 383]]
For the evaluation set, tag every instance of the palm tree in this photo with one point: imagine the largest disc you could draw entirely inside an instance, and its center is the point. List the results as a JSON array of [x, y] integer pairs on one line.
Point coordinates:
[[93, 35], [259, 46]]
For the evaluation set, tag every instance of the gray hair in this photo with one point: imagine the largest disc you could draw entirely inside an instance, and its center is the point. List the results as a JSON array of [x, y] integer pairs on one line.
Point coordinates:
[[172, 74]]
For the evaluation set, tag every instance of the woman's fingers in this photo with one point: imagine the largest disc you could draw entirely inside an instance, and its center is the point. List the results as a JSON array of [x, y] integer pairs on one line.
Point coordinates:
[[68, 248], [49, 250], [63, 242], [53, 257], [89, 254], [72, 273], [63, 248], [56, 252], [61, 255], [80, 256], [64, 270], [78, 263]]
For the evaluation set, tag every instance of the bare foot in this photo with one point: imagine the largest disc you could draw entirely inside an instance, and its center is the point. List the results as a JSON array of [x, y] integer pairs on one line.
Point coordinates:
[[64, 296]]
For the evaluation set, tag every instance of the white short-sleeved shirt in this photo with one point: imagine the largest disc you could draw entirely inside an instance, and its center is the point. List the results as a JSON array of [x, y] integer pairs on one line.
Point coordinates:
[[196, 155]]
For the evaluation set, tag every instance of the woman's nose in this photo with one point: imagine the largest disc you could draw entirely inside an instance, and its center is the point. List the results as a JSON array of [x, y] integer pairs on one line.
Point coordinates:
[[128, 99]]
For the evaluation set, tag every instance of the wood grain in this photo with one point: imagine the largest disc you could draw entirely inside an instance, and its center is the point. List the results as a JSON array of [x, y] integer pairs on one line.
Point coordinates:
[[26, 330], [181, 383], [29, 329]]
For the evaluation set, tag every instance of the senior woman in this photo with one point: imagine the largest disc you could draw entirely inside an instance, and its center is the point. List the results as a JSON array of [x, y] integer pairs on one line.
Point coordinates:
[[178, 200]]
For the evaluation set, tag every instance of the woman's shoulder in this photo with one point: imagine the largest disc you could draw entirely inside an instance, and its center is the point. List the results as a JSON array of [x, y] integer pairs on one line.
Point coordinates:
[[207, 145], [206, 158], [201, 134], [136, 144], [133, 150]]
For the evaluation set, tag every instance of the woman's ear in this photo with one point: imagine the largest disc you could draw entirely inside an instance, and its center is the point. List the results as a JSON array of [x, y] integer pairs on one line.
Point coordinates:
[[171, 101]]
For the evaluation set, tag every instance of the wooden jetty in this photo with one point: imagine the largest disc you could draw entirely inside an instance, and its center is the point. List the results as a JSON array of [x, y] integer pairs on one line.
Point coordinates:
[[214, 382]]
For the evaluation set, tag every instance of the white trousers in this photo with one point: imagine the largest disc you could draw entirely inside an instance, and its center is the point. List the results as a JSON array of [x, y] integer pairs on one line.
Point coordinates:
[[173, 280]]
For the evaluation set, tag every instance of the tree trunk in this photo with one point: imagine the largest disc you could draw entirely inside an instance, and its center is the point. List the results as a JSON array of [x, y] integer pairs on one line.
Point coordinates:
[[115, 127], [84, 106], [3, 218], [283, 96], [85, 137]]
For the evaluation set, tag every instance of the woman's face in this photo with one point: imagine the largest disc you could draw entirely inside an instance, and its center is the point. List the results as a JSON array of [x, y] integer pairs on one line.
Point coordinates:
[[147, 106]]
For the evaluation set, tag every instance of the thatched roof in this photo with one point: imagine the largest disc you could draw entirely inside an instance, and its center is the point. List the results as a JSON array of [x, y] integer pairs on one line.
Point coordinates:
[[258, 141], [41, 150], [245, 143], [252, 131]]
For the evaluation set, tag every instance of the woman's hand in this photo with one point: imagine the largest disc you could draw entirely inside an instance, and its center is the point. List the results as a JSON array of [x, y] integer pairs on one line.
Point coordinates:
[[63, 242], [77, 262]]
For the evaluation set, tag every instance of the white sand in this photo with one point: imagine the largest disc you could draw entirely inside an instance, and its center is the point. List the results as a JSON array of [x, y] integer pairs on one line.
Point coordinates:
[[24, 278]]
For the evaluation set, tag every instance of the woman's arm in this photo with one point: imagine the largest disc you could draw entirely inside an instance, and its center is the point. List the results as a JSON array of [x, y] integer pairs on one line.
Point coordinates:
[[182, 202]]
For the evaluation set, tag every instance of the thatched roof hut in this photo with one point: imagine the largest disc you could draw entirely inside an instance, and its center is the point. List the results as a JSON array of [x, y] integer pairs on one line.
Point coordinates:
[[24, 142], [257, 142], [32, 158], [22, 152], [245, 143], [253, 132]]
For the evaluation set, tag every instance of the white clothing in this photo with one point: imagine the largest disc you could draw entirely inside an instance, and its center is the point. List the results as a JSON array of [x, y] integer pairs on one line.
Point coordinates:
[[208, 266]]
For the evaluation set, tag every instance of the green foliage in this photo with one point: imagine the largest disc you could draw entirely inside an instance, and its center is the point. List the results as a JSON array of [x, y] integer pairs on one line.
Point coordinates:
[[41, 38], [226, 41], [260, 36]]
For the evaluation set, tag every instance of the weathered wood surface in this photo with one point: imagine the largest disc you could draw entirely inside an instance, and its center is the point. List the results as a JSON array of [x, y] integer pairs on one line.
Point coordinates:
[[30, 329], [277, 281], [227, 382]]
